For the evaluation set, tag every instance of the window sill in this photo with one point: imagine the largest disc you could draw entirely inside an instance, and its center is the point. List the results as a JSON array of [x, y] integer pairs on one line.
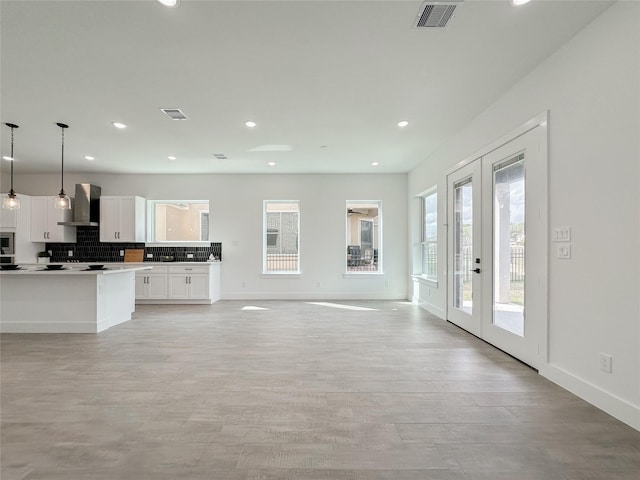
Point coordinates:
[[426, 281], [178, 244], [280, 275], [362, 274]]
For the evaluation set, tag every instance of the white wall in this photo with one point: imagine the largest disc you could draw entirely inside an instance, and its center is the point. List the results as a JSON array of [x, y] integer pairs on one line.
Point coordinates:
[[236, 221], [591, 88]]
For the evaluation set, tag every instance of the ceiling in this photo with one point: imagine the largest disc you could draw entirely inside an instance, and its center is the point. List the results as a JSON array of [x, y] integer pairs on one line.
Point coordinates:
[[327, 79]]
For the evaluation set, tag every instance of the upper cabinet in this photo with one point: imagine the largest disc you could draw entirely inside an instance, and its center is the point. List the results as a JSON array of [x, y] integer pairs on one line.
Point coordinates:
[[44, 222], [122, 219]]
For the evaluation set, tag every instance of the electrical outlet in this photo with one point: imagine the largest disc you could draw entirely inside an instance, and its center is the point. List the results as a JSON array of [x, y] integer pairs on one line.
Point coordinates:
[[189, 255], [564, 251], [149, 255], [122, 253], [605, 362], [70, 253]]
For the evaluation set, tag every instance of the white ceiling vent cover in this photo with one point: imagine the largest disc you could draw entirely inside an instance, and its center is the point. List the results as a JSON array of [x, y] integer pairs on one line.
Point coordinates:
[[174, 113], [436, 14]]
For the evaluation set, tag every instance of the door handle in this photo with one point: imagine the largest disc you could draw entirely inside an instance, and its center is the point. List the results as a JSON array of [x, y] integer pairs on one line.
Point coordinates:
[[477, 270]]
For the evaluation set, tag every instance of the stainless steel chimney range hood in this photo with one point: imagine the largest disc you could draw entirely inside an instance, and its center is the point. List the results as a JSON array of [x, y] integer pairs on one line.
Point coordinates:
[[86, 206]]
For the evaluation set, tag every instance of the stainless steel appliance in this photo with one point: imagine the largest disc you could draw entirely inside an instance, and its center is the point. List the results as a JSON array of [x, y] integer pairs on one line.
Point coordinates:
[[7, 247], [86, 206]]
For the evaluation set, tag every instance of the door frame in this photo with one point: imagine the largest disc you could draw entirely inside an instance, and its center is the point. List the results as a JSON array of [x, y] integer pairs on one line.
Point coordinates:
[[542, 252]]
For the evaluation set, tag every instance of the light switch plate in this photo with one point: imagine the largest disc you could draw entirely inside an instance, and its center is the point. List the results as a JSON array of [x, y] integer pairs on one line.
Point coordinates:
[[564, 251], [561, 234], [189, 255]]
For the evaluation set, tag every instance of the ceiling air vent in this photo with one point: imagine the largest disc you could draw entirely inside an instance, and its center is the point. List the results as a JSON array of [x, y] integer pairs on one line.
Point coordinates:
[[174, 113], [436, 14]]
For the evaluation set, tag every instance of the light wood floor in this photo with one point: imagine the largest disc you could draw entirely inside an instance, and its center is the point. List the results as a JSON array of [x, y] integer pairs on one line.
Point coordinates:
[[296, 391]]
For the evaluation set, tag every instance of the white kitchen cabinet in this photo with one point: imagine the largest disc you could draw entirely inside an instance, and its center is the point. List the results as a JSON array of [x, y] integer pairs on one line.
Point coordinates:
[[122, 219], [151, 284], [44, 221], [179, 283], [191, 287], [189, 282]]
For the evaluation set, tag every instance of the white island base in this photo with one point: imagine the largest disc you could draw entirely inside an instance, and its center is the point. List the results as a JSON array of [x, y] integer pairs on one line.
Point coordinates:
[[68, 301]]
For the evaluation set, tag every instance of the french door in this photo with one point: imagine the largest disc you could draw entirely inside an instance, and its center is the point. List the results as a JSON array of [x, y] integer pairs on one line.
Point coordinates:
[[497, 246], [464, 267]]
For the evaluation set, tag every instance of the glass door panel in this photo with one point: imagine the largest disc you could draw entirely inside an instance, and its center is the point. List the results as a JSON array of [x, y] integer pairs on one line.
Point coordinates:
[[463, 246], [509, 245]]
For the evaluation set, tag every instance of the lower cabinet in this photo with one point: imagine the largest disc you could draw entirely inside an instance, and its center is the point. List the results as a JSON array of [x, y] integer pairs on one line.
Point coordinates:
[[184, 283], [151, 286], [188, 286]]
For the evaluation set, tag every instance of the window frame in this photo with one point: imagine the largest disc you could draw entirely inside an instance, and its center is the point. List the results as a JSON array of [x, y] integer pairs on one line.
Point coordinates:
[[151, 224], [424, 242], [379, 248], [265, 245]]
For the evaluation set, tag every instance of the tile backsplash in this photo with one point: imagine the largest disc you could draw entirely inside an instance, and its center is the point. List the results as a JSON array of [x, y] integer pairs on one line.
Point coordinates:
[[89, 248]]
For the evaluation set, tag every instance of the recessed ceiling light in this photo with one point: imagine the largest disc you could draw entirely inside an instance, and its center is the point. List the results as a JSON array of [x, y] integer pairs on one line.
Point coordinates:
[[169, 3], [171, 157], [7, 157], [250, 124], [403, 123], [89, 157], [118, 125], [272, 164], [517, 3], [375, 164]]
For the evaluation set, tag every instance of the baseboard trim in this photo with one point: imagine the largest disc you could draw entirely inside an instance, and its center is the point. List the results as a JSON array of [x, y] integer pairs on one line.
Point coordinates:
[[613, 405], [437, 311], [310, 296], [49, 327]]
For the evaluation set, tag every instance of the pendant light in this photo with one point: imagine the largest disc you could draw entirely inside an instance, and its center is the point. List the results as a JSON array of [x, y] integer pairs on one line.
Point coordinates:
[[63, 201], [11, 201]]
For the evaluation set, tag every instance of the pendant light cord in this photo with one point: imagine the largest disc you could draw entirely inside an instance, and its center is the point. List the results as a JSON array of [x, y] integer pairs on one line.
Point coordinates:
[[62, 127], [13, 159], [62, 165]]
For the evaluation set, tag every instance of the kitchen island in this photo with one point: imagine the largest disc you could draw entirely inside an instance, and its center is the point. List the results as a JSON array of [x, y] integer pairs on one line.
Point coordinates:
[[38, 300]]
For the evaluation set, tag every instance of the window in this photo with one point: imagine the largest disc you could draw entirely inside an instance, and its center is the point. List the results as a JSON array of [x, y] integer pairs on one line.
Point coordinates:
[[178, 221], [281, 237], [430, 236], [364, 234]]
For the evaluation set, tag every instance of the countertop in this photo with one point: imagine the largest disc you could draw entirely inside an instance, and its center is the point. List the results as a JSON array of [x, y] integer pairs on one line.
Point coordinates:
[[77, 269]]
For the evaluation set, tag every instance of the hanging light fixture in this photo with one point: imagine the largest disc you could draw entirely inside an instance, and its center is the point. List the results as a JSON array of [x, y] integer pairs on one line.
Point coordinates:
[[11, 201], [62, 201]]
